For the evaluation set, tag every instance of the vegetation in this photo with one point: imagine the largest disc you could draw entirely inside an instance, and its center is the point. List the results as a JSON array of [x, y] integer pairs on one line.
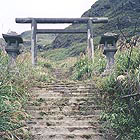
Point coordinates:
[[127, 11], [86, 69], [41, 39], [120, 90], [63, 53], [122, 100], [14, 93]]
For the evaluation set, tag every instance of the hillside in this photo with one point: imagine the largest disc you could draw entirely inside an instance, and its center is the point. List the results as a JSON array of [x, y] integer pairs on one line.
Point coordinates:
[[127, 11], [42, 40], [69, 45]]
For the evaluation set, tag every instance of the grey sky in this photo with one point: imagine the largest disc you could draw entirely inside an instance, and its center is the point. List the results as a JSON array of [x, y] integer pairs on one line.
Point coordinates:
[[10, 9]]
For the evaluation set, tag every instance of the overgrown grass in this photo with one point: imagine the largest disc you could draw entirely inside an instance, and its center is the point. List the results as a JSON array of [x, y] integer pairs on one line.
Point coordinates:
[[44, 70], [121, 114], [14, 93], [86, 69], [121, 97], [122, 58], [63, 53]]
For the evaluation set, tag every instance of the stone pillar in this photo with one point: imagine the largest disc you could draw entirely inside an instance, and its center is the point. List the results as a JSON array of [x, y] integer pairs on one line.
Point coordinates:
[[12, 48], [90, 47], [109, 40], [110, 58], [33, 42]]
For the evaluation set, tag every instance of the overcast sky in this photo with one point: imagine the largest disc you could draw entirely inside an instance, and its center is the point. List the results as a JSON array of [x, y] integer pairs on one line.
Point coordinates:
[[11, 9]]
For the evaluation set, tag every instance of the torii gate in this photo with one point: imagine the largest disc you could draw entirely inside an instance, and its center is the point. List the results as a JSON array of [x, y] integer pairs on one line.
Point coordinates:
[[85, 20]]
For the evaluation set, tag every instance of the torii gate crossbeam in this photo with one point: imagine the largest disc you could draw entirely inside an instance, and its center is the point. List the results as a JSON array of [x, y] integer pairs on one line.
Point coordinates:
[[85, 20]]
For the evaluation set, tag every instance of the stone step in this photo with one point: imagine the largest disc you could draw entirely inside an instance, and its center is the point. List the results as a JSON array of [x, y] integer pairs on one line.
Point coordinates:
[[51, 106], [64, 95], [69, 137], [61, 94], [67, 84], [69, 102], [68, 113], [70, 88], [64, 131], [72, 91], [62, 102], [64, 91], [65, 111], [62, 128], [67, 122], [64, 87], [68, 128], [62, 116]]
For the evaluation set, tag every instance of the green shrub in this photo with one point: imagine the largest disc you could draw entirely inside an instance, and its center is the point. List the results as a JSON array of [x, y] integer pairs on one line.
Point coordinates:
[[13, 96], [85, 68], [122, 59], [122, 111]]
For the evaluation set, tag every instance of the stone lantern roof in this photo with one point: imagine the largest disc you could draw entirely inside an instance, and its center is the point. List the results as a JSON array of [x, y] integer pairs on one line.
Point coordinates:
[[109, 38], [12, 38]]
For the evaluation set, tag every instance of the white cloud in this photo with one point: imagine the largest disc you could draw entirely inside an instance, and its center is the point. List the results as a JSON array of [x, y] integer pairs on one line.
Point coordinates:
[[10, 9]]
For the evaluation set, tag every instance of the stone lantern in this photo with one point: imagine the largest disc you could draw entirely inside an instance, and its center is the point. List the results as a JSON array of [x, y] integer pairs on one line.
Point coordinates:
[[109, 40], [12, 48]]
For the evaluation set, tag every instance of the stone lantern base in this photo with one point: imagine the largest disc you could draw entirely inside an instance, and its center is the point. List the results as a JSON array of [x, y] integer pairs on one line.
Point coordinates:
[[13, 49]]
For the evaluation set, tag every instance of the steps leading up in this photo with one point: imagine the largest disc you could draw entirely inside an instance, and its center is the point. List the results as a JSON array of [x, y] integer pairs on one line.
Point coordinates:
[[65, 111]]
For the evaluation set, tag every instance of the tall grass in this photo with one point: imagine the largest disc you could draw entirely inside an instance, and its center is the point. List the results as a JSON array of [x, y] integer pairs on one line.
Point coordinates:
[[121, 97], [120, 91], [14, 87], [85, 69]]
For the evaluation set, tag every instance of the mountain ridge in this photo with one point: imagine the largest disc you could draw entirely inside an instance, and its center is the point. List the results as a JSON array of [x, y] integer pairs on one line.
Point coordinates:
[[127, 11], [123, 15]]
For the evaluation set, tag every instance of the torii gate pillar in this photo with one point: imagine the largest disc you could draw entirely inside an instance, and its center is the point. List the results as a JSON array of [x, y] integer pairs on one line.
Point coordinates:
[[33, 42], [90, 47]]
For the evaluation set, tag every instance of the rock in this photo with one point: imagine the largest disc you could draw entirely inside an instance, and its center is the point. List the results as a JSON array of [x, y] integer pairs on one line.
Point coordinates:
[[121, 78], [72, 101], [67, 109]]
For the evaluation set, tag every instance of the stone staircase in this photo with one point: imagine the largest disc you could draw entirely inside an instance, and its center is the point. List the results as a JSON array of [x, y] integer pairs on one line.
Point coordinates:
[[65, 111]]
